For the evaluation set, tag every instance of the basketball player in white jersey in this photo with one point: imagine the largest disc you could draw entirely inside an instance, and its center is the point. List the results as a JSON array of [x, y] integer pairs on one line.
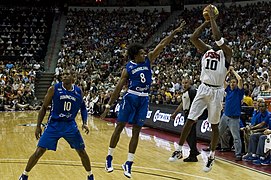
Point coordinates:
[[214, 65]]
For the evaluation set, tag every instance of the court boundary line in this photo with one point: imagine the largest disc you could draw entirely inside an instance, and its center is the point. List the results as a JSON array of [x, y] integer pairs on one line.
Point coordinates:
[[8, 160]]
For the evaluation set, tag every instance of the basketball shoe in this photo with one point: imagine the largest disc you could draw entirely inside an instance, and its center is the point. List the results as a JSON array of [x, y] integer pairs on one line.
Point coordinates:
[[127, 167], [209, 164], [91, 177], [108, 164], [23, 177], [175, 156]]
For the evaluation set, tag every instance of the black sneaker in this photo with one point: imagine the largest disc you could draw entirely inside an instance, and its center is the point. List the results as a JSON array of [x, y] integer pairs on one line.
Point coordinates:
[[191, 159], [238, 158]]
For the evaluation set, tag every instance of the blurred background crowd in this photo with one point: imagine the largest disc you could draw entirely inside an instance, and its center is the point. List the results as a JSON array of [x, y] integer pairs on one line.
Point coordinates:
[[94, 44]]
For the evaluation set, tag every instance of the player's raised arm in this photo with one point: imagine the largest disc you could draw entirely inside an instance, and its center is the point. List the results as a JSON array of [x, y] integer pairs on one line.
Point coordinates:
[[238, 77], [217, 35], [195, 38], [159, 48]]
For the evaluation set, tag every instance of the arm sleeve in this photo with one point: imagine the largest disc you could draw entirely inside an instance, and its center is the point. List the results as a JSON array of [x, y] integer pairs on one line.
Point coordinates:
[[84, 112]]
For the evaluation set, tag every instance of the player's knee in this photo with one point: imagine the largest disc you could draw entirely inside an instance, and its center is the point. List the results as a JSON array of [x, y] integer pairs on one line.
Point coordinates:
[[136, 130], [120, 127], [39, 152], [81, 152]]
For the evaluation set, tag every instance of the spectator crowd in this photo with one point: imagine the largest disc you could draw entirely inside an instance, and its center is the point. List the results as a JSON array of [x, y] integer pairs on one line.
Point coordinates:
[[23, 42]]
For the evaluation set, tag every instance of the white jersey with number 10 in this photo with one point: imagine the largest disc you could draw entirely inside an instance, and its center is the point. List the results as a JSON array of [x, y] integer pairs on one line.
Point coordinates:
[[213, 68]]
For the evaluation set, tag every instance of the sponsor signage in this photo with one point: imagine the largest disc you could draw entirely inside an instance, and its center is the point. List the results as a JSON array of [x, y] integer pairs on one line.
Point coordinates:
[[158, 117]]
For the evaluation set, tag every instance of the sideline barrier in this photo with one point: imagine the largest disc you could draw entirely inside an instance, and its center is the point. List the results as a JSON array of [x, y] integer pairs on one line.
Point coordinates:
[[159, 117]]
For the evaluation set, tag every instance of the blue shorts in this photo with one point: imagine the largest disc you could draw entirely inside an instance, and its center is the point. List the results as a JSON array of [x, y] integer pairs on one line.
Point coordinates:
[[58, 129], [133, 109]]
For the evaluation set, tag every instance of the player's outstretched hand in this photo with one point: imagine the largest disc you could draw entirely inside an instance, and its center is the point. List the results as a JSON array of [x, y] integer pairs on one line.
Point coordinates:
[[211, 11], [180, 28], [85, 128]]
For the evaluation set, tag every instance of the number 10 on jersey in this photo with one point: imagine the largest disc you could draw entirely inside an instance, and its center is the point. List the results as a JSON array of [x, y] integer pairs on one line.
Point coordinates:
[[211, 64], [67, 106]]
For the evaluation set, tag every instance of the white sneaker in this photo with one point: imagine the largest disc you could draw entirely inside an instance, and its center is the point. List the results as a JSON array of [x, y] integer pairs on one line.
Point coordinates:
[[175, 156], [209, 164]]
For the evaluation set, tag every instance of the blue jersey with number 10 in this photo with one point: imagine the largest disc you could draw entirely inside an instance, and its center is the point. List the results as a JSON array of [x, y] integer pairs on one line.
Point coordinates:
[[139, 75], [65, 103]]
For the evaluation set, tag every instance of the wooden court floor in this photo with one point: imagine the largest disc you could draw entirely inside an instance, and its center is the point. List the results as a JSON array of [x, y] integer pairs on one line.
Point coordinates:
[[17, 143]]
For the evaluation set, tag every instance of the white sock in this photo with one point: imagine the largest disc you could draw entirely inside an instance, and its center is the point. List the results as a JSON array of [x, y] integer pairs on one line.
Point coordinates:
[[179, 148], [212, 154], [89, 173], [111, 151], [25, 173], [130, 157]]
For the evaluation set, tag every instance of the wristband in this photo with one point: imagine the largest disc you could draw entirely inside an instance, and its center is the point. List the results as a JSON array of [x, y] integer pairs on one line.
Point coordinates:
[[220, 42], [107, 106]]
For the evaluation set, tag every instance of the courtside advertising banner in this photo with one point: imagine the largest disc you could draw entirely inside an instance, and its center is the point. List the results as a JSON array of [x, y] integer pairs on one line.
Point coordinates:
[[159, 117]]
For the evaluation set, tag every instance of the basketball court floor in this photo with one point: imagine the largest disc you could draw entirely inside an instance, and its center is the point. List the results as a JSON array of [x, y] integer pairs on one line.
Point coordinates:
[[17, 143]]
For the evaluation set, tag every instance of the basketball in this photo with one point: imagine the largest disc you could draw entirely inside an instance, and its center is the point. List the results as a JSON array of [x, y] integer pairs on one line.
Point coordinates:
[[205, 12]]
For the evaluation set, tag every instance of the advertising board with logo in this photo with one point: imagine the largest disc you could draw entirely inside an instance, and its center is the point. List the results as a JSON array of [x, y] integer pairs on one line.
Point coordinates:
[[159, 117]]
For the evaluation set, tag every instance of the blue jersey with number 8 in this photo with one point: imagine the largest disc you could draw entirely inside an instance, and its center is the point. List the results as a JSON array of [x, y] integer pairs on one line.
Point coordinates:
[[139, 75]]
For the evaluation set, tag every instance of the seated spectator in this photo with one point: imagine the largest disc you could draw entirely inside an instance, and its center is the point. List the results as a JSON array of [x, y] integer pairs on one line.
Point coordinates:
[[160, 99], [257, 138], [257, 141], [254, 119], [257, 117]]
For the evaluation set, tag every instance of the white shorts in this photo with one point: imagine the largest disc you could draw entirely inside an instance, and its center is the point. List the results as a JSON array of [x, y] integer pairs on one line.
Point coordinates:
[[210, 98]]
